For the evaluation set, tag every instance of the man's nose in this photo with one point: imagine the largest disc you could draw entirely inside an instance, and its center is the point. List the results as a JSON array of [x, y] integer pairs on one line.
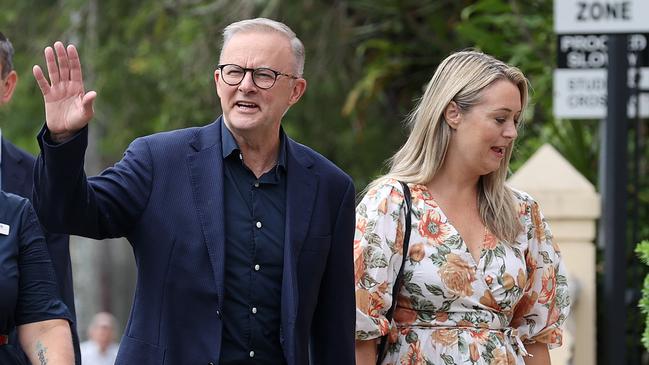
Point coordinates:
[[247, 83]]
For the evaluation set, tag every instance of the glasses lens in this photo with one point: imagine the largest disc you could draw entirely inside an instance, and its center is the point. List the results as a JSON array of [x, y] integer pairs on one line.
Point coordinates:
[[232, 74], [264, 78]]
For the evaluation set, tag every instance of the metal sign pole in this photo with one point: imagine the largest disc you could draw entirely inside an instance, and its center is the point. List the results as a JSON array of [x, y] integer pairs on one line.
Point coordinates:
[[614, 212]]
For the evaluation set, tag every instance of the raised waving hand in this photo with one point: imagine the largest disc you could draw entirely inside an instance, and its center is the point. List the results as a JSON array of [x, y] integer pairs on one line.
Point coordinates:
[[68, 108]]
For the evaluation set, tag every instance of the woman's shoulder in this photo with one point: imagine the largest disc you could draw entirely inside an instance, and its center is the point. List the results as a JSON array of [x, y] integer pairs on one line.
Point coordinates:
[[523, 200], [520, 196], [15, 211], [383, 188], [529, 210], [12, 203], [383, 194]]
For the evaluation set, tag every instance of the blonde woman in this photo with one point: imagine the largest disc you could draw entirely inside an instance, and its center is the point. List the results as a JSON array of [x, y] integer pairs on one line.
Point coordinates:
[[482, 283]]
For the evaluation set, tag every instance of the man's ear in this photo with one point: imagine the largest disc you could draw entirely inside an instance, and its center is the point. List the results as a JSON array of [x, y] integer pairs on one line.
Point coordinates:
[[9, 86], [452, 115], [217, 74], [299, 87]]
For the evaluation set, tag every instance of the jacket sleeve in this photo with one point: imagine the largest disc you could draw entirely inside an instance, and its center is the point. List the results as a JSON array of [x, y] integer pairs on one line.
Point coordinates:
[[103, 206], [334, 318]]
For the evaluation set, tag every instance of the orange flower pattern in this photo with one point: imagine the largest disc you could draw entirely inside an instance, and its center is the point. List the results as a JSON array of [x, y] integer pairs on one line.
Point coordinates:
[[451, 309], [474, 354], [457, 275], [433, 228], [445, 337], [417, 252]]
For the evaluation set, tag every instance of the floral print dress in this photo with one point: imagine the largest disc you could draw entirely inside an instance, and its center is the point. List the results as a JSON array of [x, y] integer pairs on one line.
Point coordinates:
[[451, 309]]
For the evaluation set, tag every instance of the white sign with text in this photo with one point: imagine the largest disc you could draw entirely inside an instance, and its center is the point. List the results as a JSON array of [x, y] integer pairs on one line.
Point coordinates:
[[581, 93], [601, 16]]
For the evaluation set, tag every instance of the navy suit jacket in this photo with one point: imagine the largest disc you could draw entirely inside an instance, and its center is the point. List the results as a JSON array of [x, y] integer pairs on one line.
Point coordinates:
[[166, 197], [18, 178]]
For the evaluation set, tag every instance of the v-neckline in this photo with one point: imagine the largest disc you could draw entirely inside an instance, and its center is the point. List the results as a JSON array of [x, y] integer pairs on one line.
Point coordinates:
[[485, 232]]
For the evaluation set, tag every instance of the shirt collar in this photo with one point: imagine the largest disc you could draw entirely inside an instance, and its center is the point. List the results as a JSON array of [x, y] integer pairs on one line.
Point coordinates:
[[229, 145]]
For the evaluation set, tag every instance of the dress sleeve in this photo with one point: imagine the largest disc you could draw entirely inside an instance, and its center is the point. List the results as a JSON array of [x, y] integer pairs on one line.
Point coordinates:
[[38, 298], [378, 253], [545, 303]]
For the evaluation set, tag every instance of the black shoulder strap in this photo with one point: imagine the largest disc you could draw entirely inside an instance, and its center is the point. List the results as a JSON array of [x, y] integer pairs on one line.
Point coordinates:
[[406, 242], [382, 347]]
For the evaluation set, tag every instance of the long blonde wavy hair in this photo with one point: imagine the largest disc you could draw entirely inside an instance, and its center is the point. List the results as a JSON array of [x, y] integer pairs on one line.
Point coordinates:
[[461, 78]]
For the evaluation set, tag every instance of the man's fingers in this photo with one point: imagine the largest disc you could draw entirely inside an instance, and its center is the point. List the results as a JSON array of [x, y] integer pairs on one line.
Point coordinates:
[[87, 101], [52, 68], [62, 57], [41, 80], [75, 64]]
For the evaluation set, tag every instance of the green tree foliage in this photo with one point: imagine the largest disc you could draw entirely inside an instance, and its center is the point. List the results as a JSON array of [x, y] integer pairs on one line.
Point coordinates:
[[398, 44], [642, 250], [152, 64], [400, 53]]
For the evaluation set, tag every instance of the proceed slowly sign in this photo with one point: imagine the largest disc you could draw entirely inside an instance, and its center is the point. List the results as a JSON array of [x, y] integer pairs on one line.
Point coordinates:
[[580, 79], [577, 51]]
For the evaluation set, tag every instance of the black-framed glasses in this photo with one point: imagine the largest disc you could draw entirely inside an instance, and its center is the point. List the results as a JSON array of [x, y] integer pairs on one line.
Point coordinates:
[[262, 77]]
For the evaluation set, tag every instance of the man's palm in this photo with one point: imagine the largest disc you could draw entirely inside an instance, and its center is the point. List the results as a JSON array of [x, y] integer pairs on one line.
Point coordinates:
[[67, 107]]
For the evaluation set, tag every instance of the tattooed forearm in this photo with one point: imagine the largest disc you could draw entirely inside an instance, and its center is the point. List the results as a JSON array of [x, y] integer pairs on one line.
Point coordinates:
[[41, 352]]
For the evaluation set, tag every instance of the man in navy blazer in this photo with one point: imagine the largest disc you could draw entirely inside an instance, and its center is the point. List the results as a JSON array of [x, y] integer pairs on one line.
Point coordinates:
[[243, 238], [17, 177]]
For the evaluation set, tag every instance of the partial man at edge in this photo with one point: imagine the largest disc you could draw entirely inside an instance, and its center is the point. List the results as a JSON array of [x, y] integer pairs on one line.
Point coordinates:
[[17, 177]]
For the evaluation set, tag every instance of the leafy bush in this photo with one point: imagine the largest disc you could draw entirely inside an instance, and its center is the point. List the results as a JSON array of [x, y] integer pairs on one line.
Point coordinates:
[[642, 249]]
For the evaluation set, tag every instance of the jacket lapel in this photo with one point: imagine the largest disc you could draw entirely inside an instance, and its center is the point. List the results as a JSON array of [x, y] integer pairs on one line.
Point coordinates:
[[206, 170], [301, 187]]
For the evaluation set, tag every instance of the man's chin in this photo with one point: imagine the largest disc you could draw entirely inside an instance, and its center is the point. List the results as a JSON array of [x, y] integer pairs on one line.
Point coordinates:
[[242, 123]]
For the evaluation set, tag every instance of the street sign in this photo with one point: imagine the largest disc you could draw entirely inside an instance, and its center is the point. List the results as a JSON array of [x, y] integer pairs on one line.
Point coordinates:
[[581, 93], [587, 51], [584, 90], [601, 16], [580, 78]]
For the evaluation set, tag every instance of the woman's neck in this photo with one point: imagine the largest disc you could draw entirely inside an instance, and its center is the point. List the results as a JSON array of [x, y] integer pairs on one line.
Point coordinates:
[[454, 182]]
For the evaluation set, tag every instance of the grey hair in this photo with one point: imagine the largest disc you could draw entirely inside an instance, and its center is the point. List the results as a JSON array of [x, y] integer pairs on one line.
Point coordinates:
[[6, 55], [267, 25]]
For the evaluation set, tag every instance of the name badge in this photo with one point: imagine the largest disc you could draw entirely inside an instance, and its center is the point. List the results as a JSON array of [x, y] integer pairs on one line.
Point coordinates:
[[4, 229]]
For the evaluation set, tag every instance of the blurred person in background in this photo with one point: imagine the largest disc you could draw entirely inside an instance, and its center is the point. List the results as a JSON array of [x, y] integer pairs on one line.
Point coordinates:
[[101, 348], [17, 177], [243, 238]]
